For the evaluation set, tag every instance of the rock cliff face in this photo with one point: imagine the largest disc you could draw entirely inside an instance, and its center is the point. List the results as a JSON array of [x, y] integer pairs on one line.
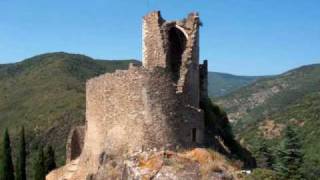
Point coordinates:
[[158, 165], [154, 107]]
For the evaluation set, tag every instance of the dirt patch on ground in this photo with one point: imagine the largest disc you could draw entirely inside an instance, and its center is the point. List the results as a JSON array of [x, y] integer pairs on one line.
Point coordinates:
[[271, 129]]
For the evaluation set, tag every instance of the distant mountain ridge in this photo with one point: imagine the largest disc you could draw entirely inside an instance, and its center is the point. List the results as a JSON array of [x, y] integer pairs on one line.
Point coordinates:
[[221, 84]]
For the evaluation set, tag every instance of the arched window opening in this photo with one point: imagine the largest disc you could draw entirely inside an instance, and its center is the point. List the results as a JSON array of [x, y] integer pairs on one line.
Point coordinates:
[[177, 45]]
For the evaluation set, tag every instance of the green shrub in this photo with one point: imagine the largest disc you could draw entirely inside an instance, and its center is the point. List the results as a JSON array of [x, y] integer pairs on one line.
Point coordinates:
[[290, 156], [6, 165], [39, 166], [262, 174], [21, 158], [50, 162]]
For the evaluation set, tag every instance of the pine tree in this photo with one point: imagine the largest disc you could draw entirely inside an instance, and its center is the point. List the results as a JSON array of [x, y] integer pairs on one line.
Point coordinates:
[[21, 158], [6, 165], [50, 163], [264, 155], [38, 166], [290, 156]]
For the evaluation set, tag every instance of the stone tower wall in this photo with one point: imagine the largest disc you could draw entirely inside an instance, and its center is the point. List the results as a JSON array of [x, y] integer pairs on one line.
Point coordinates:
[[153, 42], [157, 51], [138, 109]]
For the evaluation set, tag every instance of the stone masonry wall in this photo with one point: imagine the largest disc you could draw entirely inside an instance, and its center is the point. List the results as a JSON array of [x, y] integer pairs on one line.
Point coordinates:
[[153, 41], [189, 72], [156, 51], [130, 111]]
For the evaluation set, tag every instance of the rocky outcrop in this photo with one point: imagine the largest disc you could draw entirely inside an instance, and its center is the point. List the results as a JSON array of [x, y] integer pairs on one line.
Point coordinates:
[[165, 165], [66, 172]]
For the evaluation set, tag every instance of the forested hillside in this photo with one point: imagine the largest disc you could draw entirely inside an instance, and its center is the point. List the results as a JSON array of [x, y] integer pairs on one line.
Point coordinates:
[[263, 109], [46, 95]]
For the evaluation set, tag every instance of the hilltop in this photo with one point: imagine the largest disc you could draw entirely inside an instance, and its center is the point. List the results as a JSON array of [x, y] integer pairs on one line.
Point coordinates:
[[264, 108]]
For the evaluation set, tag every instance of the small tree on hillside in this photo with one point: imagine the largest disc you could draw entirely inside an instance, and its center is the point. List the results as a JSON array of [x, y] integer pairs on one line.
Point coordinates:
[[50, 163], [6, 165], [21, 157], [38, 166], [264, 155], [290, 156]]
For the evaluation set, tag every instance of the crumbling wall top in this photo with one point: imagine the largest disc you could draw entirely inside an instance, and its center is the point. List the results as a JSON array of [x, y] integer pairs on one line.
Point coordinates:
[[174, 45]]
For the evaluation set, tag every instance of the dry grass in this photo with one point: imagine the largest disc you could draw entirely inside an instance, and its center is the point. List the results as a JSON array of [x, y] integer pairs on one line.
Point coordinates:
[[210, 161], [155, 162]]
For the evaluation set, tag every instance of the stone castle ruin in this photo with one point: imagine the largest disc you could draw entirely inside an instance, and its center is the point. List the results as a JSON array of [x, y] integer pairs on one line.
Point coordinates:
[[155, 106]]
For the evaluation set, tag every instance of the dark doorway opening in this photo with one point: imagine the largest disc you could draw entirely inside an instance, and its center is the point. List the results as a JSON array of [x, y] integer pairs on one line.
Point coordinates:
[[194, 134], [75, 145], [177, 45]]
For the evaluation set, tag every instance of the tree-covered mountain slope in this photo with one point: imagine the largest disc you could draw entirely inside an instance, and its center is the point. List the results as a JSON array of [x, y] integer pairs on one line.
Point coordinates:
[[46, 95], [264, 108], [220, 84]]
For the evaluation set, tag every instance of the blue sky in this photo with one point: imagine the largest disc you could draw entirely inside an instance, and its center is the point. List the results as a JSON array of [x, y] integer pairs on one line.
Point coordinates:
[[247, 37]]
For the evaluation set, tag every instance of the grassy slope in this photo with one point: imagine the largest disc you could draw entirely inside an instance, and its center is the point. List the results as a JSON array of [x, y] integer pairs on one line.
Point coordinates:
[[46, 94], [293, 97], [221, 84]]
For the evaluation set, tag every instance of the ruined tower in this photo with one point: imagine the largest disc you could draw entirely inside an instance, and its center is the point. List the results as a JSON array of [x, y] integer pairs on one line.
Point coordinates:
[[153, 106]]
